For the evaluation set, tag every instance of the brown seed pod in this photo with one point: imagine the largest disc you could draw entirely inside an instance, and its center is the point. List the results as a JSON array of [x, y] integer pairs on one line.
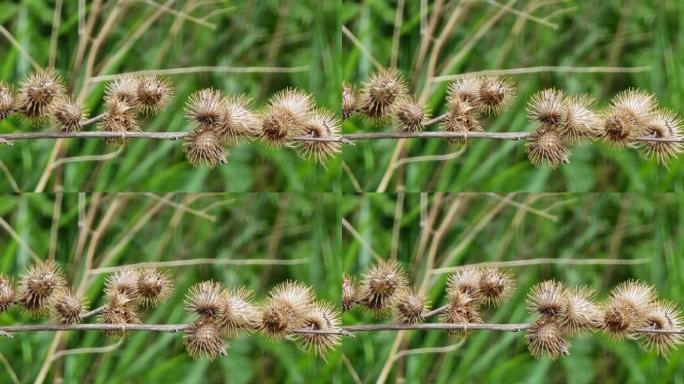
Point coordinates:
[[626, 308], [203, 339], [321, 124], [409, 114], [285, 116], [350, 100], [205, 299], [124, 90], [67, 306], [627, 117], [380, 284], [350, 292], [205, 106], [496, 286], [380, 91], [124, 281], [580, 314], [204, 147], [39, 91], [237, 121], [495, 94], [8, 102], [581, 122], [154, 286], [465, 281], [285, 308], [548, 299], [8, 296], [462, 309], [664, 124], [321, 317], [664, 316], [548, 108], [545, 338], [467, 90], [546, 146], [119, 118], [67, 115], [38, 284], [237, 313], [409, 307], [153, 94], [118, 309], [461, 118]]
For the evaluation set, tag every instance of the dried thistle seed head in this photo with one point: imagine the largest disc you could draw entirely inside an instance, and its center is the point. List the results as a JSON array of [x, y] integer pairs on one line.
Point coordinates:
[[409, 307], [546, 146], [581, 122], [205, 299], [285, 308], [205, 107], [350, 292], [321, 124], [465, 281], [461, 309], [548, 299], [350, 100], [124, 281], [548, 108], [204, 339], [380, 284], [581, 314], [39, 91], [410, 115], [496, 286], [237, 121], [8, 102], [153, 94], [321, 317], [154, 286], [461, 118], [204, 147], [38, 284], [67, 114], [237, 313], [495, 94], [627, 116], [67, 306], [380, 91], [8, 296], [546, 338], [465, 89], [119, 118], [664, 124], [118, 309], [285, 116], [123, 90], [664, 316], [626, 308]]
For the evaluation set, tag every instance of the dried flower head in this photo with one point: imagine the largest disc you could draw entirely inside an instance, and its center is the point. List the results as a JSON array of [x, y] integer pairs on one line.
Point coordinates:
[[38, 284], [237, 314], [664, 124], [580, 314], [545, 338], [124, 90], [581, 122], [154, 286], [237, 121], [67, 115], [380, 284], [119, 118], [548, 108], [461, 118], [546, 146], [321, 317], [548, 299], [496, 286], [153, 94], [286, 114], [350, 292], [663, 316], [205, 299], [627, 117], [124, 281], [204, 147], [321, 124], [118, 309], [67, 306], [8, 103], [627, 307], [462, 309], [410, 115], [380, 91], [409, 307], [285, 308], [204, 339], [465, 89], [8, 296], [39, 91], [205, 106], [465, 281], [350, 100], [495, 94]]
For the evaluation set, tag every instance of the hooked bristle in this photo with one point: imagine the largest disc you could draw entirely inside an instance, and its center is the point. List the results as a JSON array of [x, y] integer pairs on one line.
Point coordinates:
[[67, 115], [237, 122], [203, 147], [546, 338], [663, 316], [154, 286], [548, 108], [547, 147], [465, 89], [38, 284], [67, 306], [664, 124], [118, 310], [410, 115], [285, 116], [124, 281], [380, 91], [461, 118], [285, 308], [465, 281], [119, 118], [205, 299], [548, 299], [8, 102], [627, 117], [123, 90], [580, 314], [321, 124], [37, 93], [496, 286], [8, 295], [350, 292], [581, 122], [321, 317], [153, 94], [350, 101], [237, 313], [409, 307], [380, 284], [626, 308], [462, 309], [204, 339], [205, 107], [495, 94]]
